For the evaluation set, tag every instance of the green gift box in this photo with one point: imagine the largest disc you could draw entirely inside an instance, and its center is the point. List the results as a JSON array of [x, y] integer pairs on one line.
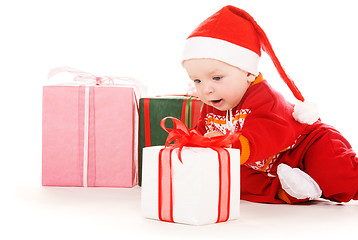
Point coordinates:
[[153, 110]]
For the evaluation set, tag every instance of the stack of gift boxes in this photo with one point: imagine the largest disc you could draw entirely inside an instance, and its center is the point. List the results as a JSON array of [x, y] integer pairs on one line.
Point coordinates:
[[99, 132]]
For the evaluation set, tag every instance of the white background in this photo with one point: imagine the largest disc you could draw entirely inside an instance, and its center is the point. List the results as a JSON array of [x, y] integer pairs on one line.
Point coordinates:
[[316, 42]]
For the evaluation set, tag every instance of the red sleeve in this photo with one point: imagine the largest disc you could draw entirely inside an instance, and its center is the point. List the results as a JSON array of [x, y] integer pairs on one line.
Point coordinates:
[[270, 127]]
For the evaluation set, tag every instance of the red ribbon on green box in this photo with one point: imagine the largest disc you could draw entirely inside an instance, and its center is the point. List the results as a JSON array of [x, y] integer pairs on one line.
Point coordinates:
[[186, 116], [153, 110]]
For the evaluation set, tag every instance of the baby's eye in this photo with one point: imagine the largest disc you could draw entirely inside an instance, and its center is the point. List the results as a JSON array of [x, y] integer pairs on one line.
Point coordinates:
[[217, 78], [196, 81]]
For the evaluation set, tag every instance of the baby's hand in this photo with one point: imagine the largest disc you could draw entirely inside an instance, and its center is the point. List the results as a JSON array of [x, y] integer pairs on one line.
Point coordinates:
[[213, 134]]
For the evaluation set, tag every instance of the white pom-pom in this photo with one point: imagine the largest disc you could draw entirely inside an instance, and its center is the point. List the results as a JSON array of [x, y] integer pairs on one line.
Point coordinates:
[[306, 112]]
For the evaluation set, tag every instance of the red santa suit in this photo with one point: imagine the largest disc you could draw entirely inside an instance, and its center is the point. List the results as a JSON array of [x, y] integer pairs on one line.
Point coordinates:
[[269, 133], [270, 136]]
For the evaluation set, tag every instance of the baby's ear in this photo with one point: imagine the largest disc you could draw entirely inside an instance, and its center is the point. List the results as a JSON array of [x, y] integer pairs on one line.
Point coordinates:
[[250, 77]]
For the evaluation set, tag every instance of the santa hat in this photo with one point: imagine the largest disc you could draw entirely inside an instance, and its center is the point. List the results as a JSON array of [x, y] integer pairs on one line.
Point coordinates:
[[232, 36]]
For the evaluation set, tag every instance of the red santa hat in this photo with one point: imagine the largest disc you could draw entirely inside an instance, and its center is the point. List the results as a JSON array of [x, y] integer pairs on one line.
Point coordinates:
[[232, 36]]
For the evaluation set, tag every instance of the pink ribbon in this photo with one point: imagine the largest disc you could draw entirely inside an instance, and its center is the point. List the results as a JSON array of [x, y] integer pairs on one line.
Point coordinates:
[[185, 137], [91, 79]]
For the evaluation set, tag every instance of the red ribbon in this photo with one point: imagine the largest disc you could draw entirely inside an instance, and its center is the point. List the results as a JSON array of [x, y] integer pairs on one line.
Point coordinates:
[[147, 136], [182, 136]]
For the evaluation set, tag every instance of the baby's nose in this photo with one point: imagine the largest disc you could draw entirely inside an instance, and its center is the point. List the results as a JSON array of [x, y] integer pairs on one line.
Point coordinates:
[[209, 88]]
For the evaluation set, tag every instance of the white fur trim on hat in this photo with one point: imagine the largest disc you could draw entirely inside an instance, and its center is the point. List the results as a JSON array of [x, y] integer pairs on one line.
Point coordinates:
[[235, 55], [306, 112]]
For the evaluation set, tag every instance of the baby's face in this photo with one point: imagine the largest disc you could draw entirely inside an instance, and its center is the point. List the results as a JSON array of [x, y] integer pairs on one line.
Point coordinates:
[[218, 84]]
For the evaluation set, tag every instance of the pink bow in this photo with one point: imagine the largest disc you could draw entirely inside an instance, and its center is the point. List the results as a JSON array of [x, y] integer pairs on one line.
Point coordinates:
[[90, 79]]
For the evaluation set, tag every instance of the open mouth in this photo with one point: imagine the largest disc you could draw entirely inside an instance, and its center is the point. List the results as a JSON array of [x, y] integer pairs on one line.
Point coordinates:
[[217, 102]]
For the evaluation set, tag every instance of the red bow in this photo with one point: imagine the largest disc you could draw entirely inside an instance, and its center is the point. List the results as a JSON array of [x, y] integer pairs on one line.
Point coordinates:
[[182, 136]]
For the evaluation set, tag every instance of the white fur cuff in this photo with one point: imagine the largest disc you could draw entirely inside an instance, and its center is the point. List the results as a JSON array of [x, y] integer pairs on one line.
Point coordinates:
[[297, 183]]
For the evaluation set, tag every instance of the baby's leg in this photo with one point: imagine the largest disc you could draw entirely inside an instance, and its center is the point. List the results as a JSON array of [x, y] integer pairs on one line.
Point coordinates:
[[332, 163], [259, 187]]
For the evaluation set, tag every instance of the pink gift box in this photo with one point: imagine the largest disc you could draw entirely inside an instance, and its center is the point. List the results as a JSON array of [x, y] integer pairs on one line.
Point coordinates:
[[89, 136]]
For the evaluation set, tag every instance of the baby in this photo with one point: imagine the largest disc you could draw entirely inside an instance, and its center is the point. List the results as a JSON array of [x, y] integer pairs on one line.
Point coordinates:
[[287, 154]]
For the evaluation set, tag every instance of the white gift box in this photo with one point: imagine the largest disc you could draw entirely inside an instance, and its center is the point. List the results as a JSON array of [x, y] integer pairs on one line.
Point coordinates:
[[195, 185]]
